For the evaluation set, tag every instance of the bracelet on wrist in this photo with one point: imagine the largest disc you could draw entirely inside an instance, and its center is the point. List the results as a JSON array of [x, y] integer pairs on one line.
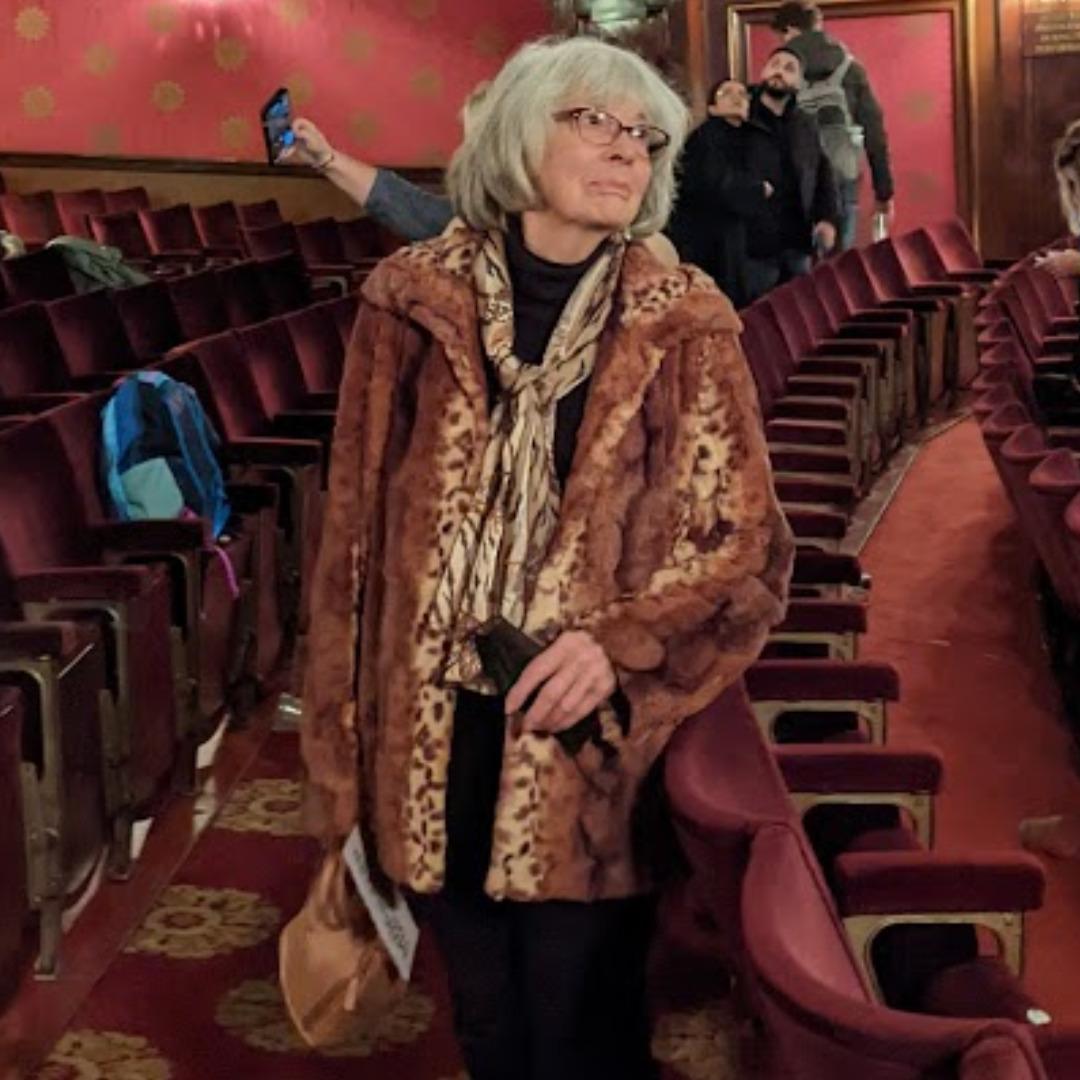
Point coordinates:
[[322, 166]]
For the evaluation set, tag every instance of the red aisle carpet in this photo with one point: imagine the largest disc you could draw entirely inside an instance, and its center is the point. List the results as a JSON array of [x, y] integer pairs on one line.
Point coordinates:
[[194, 996], [954, 608]]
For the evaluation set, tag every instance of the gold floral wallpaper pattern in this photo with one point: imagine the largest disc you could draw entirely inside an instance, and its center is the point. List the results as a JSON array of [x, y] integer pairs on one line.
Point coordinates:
[[186, 78]]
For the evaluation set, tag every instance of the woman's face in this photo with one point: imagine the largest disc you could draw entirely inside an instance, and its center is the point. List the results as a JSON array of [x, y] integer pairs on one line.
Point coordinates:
[[588, 184], [732, 101]]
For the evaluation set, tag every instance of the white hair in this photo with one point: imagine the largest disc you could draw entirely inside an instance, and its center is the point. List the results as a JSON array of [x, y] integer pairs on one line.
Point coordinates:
[[493, 173]]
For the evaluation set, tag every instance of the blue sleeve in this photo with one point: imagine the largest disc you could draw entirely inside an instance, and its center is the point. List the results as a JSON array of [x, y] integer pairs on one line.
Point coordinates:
[[408, 210]]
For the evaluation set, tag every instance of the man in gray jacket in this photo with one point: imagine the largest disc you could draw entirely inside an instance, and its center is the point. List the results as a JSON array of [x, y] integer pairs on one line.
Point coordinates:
[[801, 23]]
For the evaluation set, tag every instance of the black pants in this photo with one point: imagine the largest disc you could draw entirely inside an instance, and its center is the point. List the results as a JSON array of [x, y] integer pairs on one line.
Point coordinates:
[[541, 991]]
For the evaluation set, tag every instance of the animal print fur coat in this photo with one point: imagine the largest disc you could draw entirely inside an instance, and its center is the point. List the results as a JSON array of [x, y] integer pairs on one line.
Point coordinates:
[[671, 551]]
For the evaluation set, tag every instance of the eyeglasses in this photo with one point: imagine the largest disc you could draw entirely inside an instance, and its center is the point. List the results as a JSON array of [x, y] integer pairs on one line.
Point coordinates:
[[602, 129]]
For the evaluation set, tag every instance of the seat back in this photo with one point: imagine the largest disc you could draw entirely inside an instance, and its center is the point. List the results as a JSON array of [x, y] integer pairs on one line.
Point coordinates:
[[284, 283], [75, 207], [122, 230], [320, 242], [123, 200], [954, 245], [363, 238], [219, 225], [33, 217], [258, 214], [318, 345], [227, 387], [275, 239], [197, 301], [856, 281], [30, 358], [91, 334], [170, 228], [37, 275], [242, 293], [345, 308], [270, 356], [42, 520], [149, 319]]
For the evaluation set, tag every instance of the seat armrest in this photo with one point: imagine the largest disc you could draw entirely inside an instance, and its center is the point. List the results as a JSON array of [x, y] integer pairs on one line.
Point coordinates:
[[809, 616], [855, 768], [251, 498], [265, 451], [822, 680], [83, 583], [304, 424], [900, 882], [34, 403], [825, 568], [165, 535], [53, 639]]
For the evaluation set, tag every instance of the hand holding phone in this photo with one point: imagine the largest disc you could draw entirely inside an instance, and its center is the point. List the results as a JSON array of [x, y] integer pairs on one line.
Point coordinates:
[[276, 117]]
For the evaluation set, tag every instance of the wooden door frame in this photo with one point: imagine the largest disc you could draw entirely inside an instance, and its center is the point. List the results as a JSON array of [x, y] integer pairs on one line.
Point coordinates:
[[742, 15]]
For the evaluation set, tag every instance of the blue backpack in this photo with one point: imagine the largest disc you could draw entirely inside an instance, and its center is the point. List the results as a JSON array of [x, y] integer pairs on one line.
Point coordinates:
[[159, 453]]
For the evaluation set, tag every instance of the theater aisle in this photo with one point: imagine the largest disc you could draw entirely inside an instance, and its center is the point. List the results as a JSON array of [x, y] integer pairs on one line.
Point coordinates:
[[954, 609], [194, 995]]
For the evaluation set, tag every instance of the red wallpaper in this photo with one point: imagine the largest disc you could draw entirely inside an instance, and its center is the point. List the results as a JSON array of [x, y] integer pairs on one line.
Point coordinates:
[[186, 78], [910, 62]]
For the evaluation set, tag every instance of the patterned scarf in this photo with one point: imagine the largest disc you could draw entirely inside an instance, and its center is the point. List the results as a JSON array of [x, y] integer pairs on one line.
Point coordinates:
[[505, 534]]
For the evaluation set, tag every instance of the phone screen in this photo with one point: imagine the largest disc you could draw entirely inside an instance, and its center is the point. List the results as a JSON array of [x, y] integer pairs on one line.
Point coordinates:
[[277, 125]]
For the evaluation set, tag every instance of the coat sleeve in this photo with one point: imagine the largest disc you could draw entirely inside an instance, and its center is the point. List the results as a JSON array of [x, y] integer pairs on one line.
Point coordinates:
[[826, 204], [866, 112], [701, 617], [712, 181], [328, 737], [405, 209]]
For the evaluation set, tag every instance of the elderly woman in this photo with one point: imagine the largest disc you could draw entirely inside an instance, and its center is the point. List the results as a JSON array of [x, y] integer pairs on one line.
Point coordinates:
[[541, 422]]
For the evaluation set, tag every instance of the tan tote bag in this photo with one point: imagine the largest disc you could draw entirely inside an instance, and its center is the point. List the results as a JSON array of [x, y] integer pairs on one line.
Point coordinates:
[[337, 978]]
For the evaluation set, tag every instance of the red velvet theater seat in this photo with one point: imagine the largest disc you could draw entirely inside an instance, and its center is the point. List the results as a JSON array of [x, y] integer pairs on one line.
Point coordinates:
[[32, 217], [76, 206], [345, 310], [149, 319], [91, 335], [14, 893], [125, 200], [285, 283], [33, 370], [65, 783], [269, 354], [242, 293], [56, 559], [38, 275], [198, 304], [171, 231], [219, 227], [256, 215], [318, 345]]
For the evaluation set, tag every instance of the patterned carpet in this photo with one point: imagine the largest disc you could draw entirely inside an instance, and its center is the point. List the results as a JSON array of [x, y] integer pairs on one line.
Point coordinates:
[[194, 995]]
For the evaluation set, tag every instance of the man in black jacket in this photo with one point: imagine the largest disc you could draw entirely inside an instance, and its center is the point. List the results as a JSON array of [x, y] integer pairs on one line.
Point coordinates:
[[801, 23], [718, 193], [784, 149]]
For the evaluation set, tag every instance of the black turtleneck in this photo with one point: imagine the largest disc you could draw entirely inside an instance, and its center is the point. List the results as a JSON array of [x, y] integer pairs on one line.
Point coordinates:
[[541, 290]]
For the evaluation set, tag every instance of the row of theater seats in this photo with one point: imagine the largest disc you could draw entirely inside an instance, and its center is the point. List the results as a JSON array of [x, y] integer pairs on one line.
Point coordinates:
[[858, 951], [124, 645], [175, 239], [1028, 407], [831, 429], [84, 342]]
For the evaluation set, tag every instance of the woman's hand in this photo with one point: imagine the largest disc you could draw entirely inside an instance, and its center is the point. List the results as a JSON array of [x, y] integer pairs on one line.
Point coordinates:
[[575, 675], [311, 146], [1061, 264]]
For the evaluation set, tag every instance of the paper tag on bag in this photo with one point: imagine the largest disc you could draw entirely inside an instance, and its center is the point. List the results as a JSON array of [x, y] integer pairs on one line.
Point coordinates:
[[393, 922]]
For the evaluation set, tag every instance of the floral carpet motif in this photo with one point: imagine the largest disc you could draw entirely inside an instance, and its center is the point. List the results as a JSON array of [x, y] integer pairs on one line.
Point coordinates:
[[255, 1012], [192, 923], [97, 1055], [195, 994], [268, 805]]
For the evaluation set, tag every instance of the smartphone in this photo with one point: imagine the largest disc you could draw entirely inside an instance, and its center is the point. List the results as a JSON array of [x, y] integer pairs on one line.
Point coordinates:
[[277, 125]]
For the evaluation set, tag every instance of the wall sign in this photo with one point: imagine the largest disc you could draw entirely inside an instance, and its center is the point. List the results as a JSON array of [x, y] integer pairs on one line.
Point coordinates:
[[1051, 27]]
